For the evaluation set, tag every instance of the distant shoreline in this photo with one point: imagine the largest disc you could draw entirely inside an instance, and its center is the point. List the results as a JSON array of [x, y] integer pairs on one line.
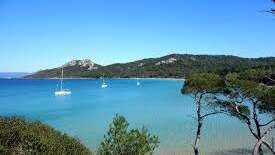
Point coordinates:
[[94, 78]]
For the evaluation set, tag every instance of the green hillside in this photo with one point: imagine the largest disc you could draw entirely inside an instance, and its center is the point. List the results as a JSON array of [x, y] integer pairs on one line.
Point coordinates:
[[170, 66]]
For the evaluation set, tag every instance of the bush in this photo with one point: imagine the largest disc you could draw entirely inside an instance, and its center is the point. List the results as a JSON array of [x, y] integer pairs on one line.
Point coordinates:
[[122, 141], [18, 136]]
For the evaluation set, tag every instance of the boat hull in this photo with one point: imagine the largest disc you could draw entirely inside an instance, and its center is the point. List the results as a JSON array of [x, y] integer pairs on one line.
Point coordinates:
[[62, 93], [104, 86]]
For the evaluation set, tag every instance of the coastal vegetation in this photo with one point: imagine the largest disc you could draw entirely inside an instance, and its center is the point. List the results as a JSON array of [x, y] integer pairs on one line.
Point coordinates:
[[247, 95], [202, 86], [120, 140], [19, 136]]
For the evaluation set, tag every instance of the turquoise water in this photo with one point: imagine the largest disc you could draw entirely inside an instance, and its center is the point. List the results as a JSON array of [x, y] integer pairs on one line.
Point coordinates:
[[156, 104]]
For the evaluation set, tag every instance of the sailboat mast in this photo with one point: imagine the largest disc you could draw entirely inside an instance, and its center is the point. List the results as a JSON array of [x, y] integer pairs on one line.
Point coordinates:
[[61, 85]]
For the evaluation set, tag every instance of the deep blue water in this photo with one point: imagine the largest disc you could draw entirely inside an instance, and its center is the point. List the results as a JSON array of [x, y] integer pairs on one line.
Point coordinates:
[[87, 112]]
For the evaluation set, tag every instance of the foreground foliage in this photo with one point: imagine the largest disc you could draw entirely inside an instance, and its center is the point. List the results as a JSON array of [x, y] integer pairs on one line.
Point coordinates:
[[122, 141], [245, 95], [18, 136], [202, 86]]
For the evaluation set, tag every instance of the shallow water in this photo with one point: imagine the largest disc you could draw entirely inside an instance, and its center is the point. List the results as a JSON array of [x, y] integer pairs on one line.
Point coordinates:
[[156, 104]]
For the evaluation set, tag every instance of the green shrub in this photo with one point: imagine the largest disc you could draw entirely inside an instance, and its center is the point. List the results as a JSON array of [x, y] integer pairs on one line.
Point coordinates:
[[18, 136], [122, 141]]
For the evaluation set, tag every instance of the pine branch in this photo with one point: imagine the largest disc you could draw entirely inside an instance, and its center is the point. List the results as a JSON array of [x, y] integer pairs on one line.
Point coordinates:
[[268, 122], [213, 113]]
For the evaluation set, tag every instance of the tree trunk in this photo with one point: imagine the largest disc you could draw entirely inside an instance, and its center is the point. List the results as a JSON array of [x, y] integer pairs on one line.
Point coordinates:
[[261, 140], [198, 135], [257, 124], [199, 121], [259, 135]]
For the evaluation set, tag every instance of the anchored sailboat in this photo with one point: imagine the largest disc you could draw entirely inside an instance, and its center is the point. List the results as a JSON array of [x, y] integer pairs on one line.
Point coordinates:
[[62, 92], [103, 85], [138, 83]]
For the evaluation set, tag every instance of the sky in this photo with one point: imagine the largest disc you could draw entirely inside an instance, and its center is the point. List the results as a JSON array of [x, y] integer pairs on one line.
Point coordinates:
[[40, 34]]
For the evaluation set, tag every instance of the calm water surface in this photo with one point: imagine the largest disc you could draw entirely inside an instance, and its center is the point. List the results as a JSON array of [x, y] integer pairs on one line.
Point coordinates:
[[156, 104]]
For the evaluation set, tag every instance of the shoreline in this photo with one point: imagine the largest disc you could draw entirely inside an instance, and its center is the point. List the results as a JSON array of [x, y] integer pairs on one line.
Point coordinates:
[[132, 78]]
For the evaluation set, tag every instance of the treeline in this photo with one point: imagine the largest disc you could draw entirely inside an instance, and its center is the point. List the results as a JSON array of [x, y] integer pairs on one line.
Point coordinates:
[[245, 95], [170, 66]]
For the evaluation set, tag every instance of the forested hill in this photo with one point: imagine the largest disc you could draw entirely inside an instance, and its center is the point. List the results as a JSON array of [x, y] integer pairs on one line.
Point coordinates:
[[170, 66]]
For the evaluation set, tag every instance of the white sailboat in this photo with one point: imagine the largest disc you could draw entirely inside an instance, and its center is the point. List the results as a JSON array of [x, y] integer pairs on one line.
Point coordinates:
[[138, 83], [103, 85], [62, 92]]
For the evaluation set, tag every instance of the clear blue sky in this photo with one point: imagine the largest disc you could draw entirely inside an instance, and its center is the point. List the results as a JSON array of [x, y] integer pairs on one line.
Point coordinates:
[[39, 34]]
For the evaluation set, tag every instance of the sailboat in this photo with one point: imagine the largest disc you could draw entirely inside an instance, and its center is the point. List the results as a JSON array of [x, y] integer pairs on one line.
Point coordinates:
[[103, 85], [62, 92], [138, 83]]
